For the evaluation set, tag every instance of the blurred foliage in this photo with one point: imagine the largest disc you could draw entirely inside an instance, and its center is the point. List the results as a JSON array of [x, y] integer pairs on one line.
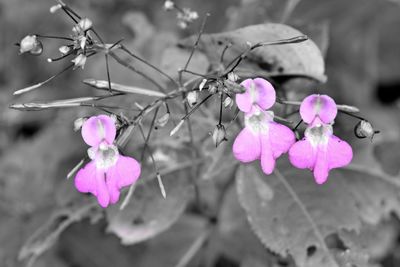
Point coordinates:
[[38, 207]]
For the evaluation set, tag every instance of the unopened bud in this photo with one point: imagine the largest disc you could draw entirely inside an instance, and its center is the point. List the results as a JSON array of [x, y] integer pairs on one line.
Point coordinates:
[[212, 88], [82, 42], [364, 129], [31, 44], [162, 121], [202, 84], [228, 102], [177, 127], [233, 87], [168, 5], [55, 8], [182, 24], [219, 135], [64, 49], [79, 61], [83, 25], [233, 77], [78, 123], [192, 98]]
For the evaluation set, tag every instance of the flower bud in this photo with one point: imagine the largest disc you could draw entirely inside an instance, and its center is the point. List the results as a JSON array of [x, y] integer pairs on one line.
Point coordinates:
[[233, 77], [78, 123], [364, 129], [64, 49], [162, 121], [219, 135], [79, 61], [168, 5], [202, 84], [233, 87], [83, 25], [228, 102], [192, 98], [212, 88], [55, 8], [31, 44]]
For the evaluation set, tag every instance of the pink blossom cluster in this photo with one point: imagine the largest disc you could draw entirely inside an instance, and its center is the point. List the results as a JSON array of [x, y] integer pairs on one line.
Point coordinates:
[[108, 171], [264, 139]]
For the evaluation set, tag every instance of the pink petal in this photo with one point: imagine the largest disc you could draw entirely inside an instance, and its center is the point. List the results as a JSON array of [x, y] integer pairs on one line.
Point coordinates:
[[267, 159], [247, 146], [244, 100], [85, 179], [103, 196], [128, 171], [339, 153], [321, 168], [302, 155], [98, 128], [266, 93], [281, 138], [322, 106], [111, 182]]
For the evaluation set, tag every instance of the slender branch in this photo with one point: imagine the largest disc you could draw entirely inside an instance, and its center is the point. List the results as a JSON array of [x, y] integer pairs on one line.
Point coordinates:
[[54, 37], [122, 47], [144, 75], [203, 24], [236, 61]]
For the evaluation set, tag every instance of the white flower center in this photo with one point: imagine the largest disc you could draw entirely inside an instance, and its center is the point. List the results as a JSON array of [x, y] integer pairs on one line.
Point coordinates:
[[319, 135], [258, 121], [105, 157]]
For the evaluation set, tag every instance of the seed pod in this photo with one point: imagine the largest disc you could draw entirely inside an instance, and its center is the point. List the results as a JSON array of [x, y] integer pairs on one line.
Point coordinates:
[[192, 98], [168, 5], [233, 77], [31, 44], [78, 123], [201, 86], [83, 25], [364, 129], [219, 135], [228, 102], [79, 61], [233, 87], [55, 8], [162, 121], [64, 49]]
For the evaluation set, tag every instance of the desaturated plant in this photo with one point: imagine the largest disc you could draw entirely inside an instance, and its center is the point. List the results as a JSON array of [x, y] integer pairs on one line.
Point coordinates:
[[281, 203]]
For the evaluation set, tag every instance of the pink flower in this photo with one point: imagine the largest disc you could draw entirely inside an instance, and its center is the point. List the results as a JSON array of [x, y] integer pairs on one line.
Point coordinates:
[[320, 151], [108, 171], [259, 93], [262, 139]]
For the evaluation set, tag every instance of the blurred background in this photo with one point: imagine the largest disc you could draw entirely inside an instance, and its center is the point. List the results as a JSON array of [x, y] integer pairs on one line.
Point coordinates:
[[360, 40]]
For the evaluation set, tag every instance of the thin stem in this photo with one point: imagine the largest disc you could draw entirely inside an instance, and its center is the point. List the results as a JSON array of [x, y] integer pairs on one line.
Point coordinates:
[[148, 64], [149, 133], [129, 66], [203, 24], [196, 107], [108, 73], [194, 73], [297, 125], [55, 37], [236, 61], [220, 110], [158, 175], [352, 115], [221, 60]]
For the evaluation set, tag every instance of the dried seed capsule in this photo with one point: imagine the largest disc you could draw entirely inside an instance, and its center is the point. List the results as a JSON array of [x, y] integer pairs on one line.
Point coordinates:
[[219, 135], [192, 98], [364, 129]]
